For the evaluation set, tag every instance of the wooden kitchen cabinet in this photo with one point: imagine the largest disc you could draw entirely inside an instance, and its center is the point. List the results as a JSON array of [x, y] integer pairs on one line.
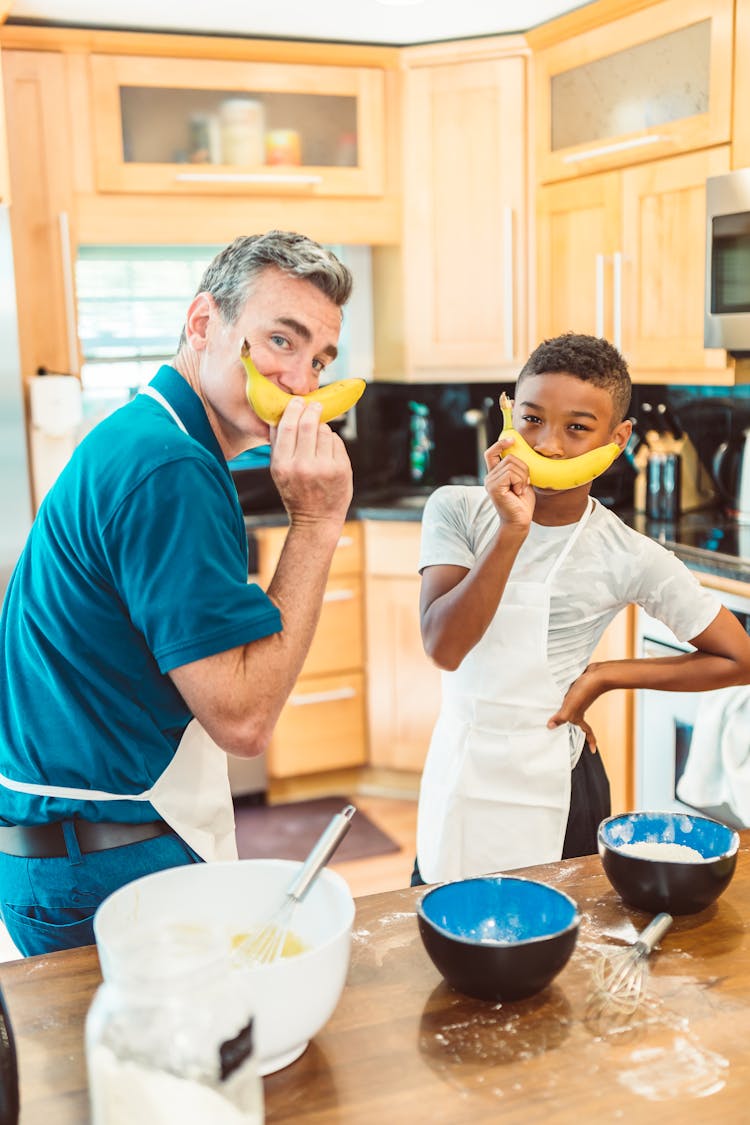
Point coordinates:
[[611, 715], [741, 118], [187, 125], [622, 254], [403, 686], [323, 724], [4, 167], [451, 299], [652, 83]]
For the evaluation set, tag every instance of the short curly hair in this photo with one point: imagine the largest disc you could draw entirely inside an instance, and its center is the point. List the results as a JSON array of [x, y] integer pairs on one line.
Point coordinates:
[[590, 358]]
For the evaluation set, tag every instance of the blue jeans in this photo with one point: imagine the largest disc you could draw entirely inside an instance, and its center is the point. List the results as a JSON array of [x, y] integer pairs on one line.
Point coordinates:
[[49, 904]]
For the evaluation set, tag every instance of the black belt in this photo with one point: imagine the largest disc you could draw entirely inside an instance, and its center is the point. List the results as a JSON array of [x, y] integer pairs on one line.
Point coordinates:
[[47, 841]]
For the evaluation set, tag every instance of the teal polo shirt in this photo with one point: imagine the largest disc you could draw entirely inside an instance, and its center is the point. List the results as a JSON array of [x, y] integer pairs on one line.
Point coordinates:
[[136, 564]]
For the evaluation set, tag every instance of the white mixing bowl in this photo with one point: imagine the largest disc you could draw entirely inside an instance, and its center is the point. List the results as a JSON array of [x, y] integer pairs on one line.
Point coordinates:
[[292, 998]]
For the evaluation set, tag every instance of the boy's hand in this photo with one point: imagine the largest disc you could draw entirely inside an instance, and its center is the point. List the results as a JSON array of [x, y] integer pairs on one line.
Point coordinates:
[[508, 485], [578, 698]]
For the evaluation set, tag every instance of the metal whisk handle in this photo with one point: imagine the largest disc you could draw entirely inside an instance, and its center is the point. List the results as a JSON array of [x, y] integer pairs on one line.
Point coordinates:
[[321, 853], [654, 932]]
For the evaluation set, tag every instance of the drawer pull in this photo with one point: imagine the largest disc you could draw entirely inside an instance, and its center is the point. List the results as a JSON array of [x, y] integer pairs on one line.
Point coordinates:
[[338, 595], [616, 146], [344, 541], [277, 178], [322, 696]]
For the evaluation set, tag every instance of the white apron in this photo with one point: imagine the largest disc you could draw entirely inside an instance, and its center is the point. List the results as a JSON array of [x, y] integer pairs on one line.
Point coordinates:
[[192, 794], [495, 792]]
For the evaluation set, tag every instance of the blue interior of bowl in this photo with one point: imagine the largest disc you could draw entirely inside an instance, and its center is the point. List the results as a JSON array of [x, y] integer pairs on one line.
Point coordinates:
[[499, 909], [708, 837]]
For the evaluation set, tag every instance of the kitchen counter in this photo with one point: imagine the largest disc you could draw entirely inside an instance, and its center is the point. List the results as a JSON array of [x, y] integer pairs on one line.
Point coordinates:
[[402, 1047]]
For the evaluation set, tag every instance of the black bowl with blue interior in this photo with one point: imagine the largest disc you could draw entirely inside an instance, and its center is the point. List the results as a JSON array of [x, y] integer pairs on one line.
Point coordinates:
[[678, 862], [498, 937]]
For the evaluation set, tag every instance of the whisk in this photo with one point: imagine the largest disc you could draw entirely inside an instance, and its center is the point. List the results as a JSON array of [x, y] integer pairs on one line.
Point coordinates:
[[618, 978], [266, 943]]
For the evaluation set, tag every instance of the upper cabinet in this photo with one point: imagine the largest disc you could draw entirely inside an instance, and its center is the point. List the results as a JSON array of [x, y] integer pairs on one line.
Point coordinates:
[[451, 300], [650, 84], [621, 255], [741, 121], [182, 125]]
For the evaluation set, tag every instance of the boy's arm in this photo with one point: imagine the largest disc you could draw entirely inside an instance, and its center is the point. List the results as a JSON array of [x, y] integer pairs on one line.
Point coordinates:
[[456, 605], [722, 659]]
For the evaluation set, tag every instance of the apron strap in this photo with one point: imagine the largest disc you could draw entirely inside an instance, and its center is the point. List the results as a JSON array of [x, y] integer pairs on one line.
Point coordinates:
[[157, 396], [36, 790], [569, 545]]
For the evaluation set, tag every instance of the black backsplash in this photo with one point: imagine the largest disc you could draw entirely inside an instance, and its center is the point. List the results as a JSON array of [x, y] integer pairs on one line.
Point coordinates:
[[380, 453]]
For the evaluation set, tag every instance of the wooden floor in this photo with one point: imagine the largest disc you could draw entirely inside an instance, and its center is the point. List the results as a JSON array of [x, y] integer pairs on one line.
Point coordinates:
[[398, 818]]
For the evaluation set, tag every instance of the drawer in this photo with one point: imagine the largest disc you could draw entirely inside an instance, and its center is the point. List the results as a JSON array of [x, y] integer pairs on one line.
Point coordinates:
[[322, 727], [392, 548], [338, 643], [347, 557]]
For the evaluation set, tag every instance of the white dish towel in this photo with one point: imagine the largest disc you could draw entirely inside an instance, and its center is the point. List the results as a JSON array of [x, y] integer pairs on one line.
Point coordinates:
[[718, 765]]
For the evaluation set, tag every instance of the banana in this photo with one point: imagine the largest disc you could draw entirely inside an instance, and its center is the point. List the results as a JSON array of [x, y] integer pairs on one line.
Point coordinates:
[[269, 401], [548, 472]]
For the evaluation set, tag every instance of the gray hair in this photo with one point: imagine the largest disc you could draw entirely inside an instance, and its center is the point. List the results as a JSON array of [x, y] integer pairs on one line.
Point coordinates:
[[229, 277]]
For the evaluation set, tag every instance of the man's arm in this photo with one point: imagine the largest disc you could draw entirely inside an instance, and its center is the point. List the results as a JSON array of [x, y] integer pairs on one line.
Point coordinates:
[[722, 659], [238, 695]]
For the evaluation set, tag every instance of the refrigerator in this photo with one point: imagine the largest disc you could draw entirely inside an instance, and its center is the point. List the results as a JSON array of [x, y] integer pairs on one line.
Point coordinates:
[[15, 483]]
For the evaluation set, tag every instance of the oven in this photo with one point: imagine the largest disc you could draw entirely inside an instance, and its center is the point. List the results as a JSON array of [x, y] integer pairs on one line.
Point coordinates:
[[664, 723]]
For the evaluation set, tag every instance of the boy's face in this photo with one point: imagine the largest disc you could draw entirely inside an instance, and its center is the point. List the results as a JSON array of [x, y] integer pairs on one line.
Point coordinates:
[[560, 415]]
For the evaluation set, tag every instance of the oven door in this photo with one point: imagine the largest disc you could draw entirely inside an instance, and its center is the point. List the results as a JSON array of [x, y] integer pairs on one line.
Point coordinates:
[[664, 727]]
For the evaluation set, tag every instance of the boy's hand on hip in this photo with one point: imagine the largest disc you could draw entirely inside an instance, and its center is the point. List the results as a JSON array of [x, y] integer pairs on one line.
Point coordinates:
[[578, 698], [310, 465]]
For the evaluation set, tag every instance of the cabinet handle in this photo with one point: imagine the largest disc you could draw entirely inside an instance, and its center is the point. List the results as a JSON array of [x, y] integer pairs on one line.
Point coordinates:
[[616, 146], [66, 259], [344, 541], [338, 595], [599, 326], [617, 300], [508, 283], [277, 178], [322, 697]]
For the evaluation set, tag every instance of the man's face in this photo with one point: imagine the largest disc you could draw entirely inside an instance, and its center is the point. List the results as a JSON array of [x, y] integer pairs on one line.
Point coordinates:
[[560, 415], [292, 329]]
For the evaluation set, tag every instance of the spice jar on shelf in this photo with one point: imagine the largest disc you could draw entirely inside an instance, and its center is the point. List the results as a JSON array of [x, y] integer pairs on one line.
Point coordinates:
[[169, 1036], [242, 125], [283, 146]]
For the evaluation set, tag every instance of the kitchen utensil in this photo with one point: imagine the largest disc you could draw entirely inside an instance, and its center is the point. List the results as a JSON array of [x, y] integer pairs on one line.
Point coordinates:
[[618, 978], [642, 862], [266, 943], [499, 937], [9, 1100], [731, 469]]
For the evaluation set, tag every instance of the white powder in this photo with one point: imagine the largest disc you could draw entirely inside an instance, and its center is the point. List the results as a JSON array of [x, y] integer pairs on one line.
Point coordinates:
[[669, 853], [124, 1093]]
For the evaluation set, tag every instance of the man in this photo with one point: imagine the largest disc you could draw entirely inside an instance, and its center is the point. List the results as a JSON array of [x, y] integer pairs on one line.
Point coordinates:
[[136, 655]]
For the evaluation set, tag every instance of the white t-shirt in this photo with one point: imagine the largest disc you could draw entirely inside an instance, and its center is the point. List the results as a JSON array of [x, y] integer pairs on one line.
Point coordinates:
[[609, 566]]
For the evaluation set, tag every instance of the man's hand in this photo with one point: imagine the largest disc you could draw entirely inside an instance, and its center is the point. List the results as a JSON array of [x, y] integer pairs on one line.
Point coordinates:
[[310, 465]]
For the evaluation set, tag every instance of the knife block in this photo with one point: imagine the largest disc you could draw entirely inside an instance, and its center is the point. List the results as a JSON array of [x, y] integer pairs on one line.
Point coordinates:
[[697, 490]]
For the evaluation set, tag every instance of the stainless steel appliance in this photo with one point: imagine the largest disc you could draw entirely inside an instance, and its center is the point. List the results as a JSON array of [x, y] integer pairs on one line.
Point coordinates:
[[664, 722], [15, 488], [727, 306], [731, 468]]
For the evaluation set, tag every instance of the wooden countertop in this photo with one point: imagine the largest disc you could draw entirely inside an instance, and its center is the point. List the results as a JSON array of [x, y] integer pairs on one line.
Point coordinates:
[[402, 1048]]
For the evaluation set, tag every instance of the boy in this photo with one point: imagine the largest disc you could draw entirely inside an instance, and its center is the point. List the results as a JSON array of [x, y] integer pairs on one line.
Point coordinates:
[[518, 585]]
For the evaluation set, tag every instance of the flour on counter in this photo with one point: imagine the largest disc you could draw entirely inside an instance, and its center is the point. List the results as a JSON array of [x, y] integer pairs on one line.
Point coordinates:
[[124, 1092], [665, 852]]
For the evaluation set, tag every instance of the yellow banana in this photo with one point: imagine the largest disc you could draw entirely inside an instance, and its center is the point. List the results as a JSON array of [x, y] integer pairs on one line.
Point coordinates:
[[549, 472], [269, 401]]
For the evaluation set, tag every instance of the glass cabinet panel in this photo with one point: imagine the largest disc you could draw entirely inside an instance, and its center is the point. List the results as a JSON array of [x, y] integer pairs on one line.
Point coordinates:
[[650, 84], [182, 125]]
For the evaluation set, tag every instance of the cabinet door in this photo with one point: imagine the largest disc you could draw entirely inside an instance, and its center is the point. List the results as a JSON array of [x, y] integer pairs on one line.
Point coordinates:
[[663, 267], [741, 121], [322, 727], [611, 716], [403, 686], [465, 214], [643, 86], [202, 125], [4, 169], [578, 232]]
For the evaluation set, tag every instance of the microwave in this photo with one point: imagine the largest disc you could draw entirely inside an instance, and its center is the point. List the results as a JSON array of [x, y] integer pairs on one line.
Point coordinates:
[[727, 311]]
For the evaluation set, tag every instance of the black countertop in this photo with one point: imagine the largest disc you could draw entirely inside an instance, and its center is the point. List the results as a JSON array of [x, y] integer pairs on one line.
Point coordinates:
[[707, 541]]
